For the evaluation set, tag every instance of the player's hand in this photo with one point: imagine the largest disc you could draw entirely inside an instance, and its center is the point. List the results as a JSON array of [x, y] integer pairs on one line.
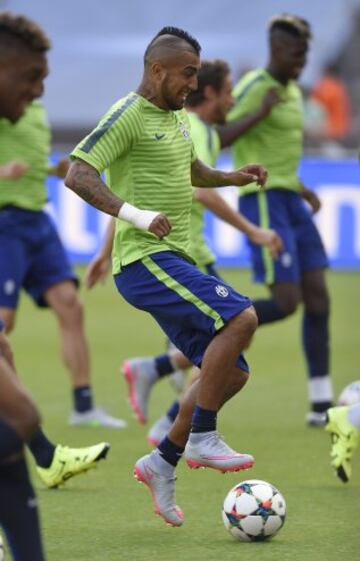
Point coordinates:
[[160, 226], [312, 198], [271, 98], [5, 349], [14, 169], [268, 238], [61, 168], [97, 271], [252, 173]]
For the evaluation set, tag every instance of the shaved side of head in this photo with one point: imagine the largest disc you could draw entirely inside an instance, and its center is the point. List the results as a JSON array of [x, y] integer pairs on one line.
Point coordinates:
[[167, 43]]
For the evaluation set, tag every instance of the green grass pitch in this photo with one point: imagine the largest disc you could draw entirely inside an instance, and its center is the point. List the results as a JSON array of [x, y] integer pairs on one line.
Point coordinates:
[[106, 515]]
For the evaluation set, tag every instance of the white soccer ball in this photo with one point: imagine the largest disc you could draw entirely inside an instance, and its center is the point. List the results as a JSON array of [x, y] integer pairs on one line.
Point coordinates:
[[253, 510], [350, 394]]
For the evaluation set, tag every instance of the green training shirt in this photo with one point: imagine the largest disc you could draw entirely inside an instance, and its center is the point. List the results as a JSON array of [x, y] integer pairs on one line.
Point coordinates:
[[27, 140], [147, 153], [207, 145], [275, 141]]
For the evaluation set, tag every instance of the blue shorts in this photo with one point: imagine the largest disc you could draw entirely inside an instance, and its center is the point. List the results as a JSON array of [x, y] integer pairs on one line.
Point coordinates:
[[31, 256], [190, 306], [285, 212]]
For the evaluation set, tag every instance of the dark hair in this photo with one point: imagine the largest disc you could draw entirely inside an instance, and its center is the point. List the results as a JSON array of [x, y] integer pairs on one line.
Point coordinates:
[[211, 73], [15, 29], [181, 34], [175, 32], [294, 25]]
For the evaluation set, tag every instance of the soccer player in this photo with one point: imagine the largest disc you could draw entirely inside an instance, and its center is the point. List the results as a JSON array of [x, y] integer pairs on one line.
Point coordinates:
[[266, 123], [343, 423], [31, 254], [206, 107], [23, 47], [145, 145]]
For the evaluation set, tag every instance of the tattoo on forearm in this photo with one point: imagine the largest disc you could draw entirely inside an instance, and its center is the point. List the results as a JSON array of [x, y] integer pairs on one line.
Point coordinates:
[[86, 182], [204, 176]]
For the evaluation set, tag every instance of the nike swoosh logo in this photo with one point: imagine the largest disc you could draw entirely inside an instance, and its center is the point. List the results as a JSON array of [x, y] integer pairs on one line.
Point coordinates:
[[159, 136]]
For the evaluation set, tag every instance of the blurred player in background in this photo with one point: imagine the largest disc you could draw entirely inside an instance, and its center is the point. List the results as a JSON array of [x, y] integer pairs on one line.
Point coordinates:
[[31, 253], [23, 67], [266, 124], [343, 423], [145, 145], [206, 107]]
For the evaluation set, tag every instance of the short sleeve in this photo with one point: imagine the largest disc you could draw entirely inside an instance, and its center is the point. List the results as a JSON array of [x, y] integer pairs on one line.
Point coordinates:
[[114, 136], [248, 95]]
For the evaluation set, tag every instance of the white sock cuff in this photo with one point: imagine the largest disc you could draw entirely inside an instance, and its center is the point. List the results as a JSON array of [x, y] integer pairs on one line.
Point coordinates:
[[320, 389]]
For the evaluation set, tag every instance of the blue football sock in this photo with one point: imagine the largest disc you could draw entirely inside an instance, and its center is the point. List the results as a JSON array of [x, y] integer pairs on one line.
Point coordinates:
[[316, 349], [18, 512], [41, 448], [173, 410], [163, 365], [82, 399], [268, 311], [203, 420], [170, 452], [10, 441], [316, 343]]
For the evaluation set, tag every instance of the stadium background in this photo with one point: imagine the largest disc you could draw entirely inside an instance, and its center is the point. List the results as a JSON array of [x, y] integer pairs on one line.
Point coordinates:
[[104, 516], [97, 57]]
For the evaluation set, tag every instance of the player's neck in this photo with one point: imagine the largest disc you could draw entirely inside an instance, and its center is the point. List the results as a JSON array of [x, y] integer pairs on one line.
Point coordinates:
[[147, 91], [274, 73]]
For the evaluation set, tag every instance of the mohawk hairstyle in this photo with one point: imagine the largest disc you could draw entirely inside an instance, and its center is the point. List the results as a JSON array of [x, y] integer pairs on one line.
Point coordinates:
[[296, 26], [212, 73], [175, 32], [15, 29]]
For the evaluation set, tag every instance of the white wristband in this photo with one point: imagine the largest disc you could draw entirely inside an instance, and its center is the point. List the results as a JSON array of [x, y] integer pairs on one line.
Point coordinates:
[[139, 218]]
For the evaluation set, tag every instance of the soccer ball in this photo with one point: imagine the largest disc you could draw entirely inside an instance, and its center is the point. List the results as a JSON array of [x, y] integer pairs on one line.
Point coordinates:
[[253, 510], [350, 394]]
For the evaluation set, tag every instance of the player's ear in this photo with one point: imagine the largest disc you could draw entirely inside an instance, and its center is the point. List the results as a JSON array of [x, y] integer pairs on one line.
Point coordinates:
[[209, 93], [157, 71]]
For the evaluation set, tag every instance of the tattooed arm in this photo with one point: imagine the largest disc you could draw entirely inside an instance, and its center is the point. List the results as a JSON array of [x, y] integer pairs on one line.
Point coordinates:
[[204, 176], [86, 182]]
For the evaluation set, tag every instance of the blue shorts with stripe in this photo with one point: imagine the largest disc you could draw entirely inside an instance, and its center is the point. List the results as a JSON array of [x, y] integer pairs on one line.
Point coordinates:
[[190, 306], [31, 256], [284, 211]]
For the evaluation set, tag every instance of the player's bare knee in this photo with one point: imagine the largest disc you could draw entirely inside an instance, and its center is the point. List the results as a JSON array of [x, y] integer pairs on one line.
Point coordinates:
[[71, 309], [248, 320], [78, 310], [239, 379]]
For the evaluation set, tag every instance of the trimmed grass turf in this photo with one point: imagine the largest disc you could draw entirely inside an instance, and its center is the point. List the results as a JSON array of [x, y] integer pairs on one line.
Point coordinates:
[[106, 516]]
